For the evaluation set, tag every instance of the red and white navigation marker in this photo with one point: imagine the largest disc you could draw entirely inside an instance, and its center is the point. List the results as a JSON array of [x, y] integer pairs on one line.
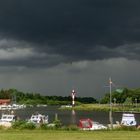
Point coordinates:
[[73, 97]]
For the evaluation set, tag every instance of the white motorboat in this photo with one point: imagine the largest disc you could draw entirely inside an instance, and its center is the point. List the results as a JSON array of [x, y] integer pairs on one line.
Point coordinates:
[[12, 107], [128, 119], [88, 124], [7, 119], [38, 119]]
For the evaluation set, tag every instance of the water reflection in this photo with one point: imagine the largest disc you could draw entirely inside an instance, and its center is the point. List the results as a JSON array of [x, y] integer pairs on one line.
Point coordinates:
[[73, 117]]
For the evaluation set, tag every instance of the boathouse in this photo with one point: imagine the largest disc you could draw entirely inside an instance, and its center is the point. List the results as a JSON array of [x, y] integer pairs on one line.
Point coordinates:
[[5, 101]]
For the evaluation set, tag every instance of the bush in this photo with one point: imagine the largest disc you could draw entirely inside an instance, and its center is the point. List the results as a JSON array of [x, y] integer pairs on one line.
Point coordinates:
[[30, 126], [44, 126], [18, 124], [57, 123], [70, 128], [127, 128], [23, 125]]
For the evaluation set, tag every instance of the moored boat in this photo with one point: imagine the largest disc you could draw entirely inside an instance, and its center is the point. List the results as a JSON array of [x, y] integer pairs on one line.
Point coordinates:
[[128, 119], [88, 124], [38, 118], [12, 106], [7, 119]]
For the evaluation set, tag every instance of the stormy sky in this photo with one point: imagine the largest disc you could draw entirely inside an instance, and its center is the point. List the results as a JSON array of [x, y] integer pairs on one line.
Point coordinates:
[[54, 46]]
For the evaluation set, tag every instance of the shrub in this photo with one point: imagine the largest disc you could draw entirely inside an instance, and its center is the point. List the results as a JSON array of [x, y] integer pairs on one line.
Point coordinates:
[[57, 123], [44, 126], [127, 128], [18, 124], [30, 126], [70, 128], [23, 125]]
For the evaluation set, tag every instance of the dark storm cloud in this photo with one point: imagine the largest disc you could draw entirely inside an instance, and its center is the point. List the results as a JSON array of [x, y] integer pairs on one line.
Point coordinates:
[[73, 30]]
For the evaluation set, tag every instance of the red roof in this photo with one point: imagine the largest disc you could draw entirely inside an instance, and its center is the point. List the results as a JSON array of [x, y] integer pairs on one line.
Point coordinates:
[[5, 101]]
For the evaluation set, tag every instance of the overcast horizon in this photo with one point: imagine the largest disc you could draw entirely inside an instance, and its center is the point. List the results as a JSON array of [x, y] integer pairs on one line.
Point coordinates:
[[52, 47]]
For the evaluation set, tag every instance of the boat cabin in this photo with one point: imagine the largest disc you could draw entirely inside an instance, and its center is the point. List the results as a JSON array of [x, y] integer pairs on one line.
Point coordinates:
[[39, 118], [85, 123], [128, 119], [8, 118]]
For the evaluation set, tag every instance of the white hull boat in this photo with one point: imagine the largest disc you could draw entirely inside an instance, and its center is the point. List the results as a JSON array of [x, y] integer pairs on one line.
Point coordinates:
[[7, 119], [88, 124], [128, 119], [38, 119], [12, 107]]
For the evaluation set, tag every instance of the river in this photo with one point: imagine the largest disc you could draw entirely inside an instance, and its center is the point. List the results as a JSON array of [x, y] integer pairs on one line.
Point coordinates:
[[70, 116]]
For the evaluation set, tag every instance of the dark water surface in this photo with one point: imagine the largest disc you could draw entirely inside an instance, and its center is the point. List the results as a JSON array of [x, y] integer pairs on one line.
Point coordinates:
[[70, 117]]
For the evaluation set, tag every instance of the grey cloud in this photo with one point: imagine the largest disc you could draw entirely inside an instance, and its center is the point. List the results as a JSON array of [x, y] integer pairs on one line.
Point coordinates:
[[48, 44], [90, 80], [22, 53], [108, 23]]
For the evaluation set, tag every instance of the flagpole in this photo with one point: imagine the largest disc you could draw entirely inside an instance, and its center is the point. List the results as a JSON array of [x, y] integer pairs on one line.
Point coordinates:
[[110, 112]]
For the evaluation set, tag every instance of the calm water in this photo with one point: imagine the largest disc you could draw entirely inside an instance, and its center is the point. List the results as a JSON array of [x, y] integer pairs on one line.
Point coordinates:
[[70, 117]]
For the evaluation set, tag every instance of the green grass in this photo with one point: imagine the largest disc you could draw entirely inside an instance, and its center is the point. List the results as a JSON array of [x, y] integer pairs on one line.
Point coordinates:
[[104, 107], [68, 135]]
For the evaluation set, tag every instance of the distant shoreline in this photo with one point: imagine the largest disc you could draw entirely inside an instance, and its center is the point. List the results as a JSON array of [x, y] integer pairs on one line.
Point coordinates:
[[103, 107]]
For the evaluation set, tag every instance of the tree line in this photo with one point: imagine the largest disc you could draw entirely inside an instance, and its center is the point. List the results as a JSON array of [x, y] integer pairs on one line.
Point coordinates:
[[36, 98], [124, 95]]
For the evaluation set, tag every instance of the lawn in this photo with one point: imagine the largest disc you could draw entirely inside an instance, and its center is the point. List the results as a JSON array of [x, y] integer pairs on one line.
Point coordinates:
[[68, 135]]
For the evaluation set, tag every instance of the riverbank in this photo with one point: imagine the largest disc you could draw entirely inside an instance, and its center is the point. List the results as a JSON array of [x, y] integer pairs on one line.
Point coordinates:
[[104, 107], [68, 135]]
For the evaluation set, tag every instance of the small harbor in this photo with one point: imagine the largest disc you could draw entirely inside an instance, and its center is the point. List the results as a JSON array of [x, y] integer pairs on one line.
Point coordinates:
[[68, 117]]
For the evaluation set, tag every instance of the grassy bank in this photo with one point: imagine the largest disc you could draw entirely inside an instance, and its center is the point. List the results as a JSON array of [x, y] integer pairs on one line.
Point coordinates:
[[105, 107], [68, 135]]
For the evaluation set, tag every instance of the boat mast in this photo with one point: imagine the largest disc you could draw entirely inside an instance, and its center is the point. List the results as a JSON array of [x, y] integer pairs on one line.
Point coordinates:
[[110, 112]]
